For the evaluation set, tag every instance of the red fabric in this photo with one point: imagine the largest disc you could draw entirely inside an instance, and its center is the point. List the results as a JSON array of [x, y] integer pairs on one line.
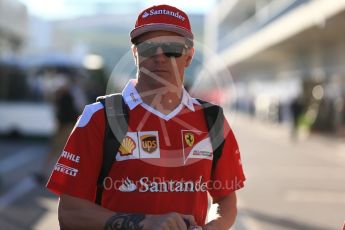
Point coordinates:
[[160, 186], [162, 17], [166, 18]]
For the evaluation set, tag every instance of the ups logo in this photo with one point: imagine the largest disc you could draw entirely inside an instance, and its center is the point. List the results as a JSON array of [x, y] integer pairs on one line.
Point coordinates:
[[149, 143]]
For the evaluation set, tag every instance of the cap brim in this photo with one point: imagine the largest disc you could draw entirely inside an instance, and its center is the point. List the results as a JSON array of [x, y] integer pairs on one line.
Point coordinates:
[[160, 26]]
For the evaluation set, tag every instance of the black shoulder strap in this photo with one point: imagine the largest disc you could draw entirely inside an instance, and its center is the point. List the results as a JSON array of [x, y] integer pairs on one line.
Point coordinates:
[[116, 126], [215, 123]]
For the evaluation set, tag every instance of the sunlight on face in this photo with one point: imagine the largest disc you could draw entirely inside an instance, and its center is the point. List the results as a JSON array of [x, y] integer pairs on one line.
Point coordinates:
[[160, 70]]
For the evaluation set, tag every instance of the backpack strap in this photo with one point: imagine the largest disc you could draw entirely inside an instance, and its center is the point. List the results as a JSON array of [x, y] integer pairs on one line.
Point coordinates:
[[116, 126], [214, 117]]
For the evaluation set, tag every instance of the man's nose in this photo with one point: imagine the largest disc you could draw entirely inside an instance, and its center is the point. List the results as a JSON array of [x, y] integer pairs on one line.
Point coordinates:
[[159, 56]]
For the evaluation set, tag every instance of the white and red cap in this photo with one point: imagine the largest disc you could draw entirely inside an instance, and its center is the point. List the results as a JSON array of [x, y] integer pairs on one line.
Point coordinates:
[[162, 17]]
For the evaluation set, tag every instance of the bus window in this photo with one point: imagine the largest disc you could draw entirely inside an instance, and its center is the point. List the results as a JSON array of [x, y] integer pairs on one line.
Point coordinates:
[[13, 83]]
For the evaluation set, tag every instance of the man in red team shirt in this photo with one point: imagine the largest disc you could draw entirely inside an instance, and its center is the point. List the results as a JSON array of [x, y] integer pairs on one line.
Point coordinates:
[[162, 173]]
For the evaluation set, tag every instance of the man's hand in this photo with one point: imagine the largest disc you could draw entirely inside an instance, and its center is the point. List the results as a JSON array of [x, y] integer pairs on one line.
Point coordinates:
[[76, 213], [170, 221], [125, 221], [227, 211], [212, 226]]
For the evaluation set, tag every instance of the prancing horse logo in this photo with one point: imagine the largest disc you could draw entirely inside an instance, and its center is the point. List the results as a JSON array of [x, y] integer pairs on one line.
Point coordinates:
[[189, 138]]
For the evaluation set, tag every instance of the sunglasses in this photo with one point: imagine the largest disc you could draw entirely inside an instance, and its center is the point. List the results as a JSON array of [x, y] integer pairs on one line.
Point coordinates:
[[170, 49]]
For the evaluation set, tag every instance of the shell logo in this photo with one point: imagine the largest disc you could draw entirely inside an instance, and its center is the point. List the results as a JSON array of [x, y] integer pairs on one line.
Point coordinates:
[[127, 146]]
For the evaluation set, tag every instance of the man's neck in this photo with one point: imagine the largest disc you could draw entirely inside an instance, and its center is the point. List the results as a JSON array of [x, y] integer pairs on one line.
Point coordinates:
[[162, 99]]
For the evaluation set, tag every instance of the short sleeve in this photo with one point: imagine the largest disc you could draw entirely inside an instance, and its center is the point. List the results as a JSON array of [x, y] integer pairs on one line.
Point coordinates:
[[228, 175], [77, 169]]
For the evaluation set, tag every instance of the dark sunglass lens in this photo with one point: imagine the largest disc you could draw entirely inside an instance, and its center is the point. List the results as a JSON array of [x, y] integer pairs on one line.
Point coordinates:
[[147, 49], [173, 55], [173, 49]]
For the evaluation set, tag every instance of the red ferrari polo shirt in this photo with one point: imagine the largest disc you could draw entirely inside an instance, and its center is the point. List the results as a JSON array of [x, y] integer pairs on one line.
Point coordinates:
[[163, 164]]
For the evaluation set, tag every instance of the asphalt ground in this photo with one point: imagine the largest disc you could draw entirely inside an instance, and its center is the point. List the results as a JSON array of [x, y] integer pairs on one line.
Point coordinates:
[[290, 184]]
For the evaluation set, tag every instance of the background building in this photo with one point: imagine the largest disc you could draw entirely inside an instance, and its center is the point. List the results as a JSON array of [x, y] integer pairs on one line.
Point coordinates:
[[280, 49], [13, 27]]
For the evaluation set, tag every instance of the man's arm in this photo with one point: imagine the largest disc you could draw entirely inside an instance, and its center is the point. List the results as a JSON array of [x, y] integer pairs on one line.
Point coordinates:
[[227, 211], [75, 213]]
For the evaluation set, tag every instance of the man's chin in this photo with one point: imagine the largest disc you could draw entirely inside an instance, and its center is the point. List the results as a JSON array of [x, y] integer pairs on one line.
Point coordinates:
[[159, 79], [161, 73], [155, 77]]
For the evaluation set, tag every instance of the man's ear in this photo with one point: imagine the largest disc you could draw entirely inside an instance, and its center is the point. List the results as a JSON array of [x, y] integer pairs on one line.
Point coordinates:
[[134, 53], [189, 54]]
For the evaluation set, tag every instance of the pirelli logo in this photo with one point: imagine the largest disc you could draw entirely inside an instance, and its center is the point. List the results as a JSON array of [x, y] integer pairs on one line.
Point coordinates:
[[66, 169]]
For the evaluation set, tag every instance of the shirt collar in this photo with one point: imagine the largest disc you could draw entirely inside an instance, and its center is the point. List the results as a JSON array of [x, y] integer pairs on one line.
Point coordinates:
[[133, 99]]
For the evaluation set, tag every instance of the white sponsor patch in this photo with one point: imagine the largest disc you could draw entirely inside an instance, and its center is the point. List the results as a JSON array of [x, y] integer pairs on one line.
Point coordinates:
[[149, 144], [202, 150], [129, 148], [66, 169], [196, 145]]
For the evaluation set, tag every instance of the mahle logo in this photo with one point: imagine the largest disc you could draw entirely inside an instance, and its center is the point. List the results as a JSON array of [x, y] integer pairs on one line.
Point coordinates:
[[149, 143]]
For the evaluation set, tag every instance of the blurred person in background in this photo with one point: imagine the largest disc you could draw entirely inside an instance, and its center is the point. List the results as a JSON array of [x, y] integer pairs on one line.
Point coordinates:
[[67, 98], [163, 167], [342, 114], [297, 109]]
